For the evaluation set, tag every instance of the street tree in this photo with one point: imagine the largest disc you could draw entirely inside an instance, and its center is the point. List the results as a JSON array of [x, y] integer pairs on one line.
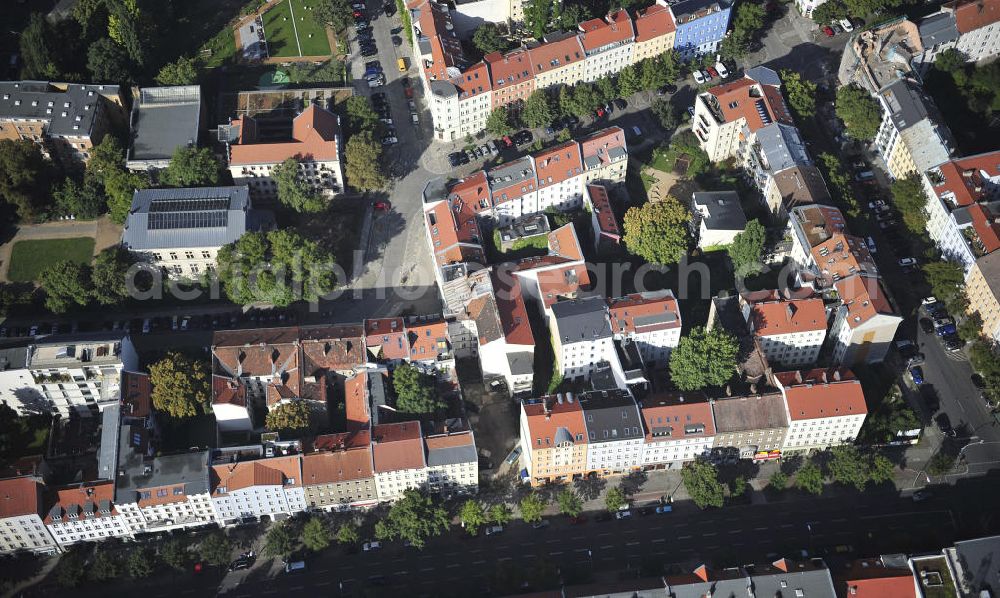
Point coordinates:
[[665, 112], [489, 37], [348, 533], [532, 506], [673, 66], [192, 167], [847, 467], [615, 499], [175, 554], [84, 200], [109, 275], [182, 71], [500, 514], [909, 197], [71, 569], [570, 504], [140, 563], [701, 480], [361, 116], [580, 100], [859, 111], [605, 89], [830, 11], [181, 387], [536, 111], [778, 480], [881, 470], [747, 249], [277, 267], [658, 231], [950, 60], [809, 478], [971, 327], [24, 179], [498, 122], [704, 358], [216, 549], [293, 190], [66, 283], [472, 516], [653, 74], [316, 534], [415, 517], [800, 93], [291, 418], [941, 463], [106, 565], [416, 392], [279, 541], [363, 156], [947, 282], [629, 81]]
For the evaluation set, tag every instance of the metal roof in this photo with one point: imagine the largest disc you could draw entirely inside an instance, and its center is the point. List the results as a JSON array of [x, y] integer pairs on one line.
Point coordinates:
[[611, 416], [720, 210], [164, 119], [938, 29], [582, 319], [69, 113]]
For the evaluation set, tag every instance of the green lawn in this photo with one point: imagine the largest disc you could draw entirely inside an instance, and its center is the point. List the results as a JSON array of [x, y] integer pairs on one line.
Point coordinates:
[[280, 30], [29, 258]]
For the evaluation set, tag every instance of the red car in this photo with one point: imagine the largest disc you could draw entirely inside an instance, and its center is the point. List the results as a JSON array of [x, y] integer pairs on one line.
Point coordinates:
[[408, 92], [599, 112], [712, 71], [358, 14], [508, 141], [828, 31], [382, 206]]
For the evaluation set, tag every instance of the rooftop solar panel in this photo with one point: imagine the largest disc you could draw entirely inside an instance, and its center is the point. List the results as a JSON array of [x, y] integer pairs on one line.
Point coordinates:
[[189, 204], [195, 219]]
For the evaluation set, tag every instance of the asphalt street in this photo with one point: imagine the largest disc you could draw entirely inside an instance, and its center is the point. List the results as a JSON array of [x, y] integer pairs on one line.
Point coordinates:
[[458, 565]]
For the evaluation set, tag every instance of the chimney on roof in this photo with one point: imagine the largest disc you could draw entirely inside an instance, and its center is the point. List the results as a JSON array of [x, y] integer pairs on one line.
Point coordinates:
[[753, 389], [798, 376], [729, 391], [822, 376], [701, 572], [569, 398]]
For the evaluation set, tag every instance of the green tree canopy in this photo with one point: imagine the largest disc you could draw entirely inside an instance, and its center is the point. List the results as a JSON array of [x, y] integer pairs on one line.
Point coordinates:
[[175, 554], [361, 116], [39, 54], [472, 515], [747, 22], [280, 541], [335, 13], [489, 37], [658, 231], [701, 480], [348, 533], [500, 514], [416, 391], [293, 190], [605, 90], [615, 499], [778, 480], [106, 566], [747, 249], [316, 534], [911, 201], [666, 113], [704, 358], [84, 200], [414, 517], [66, 283], [570, 504], [291, 418], [947, 282], [538, 17], [809, 478], [859, 111], [216, 549], [629, 81], [498, 123], [275, 267], [181, 386], [192, 167], [140, 563], [182, 71], [800, 93], [537, 112], [881, 470], [108, 62], [24, 179], [109, 275], [848, 467], [120, 186], [532, 506], [653, 74], [830, 11], [363, 157]]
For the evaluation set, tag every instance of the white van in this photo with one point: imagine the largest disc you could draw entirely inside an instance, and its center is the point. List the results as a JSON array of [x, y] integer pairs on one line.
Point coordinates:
[[846, 24]]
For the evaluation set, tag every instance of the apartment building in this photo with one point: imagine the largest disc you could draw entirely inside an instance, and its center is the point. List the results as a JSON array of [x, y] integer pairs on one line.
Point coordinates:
[[969, 26], [961, 208], [911, 137], [783, 577], [982, 286], [248, 490], [21, 525], [776, 148], [182, 230], [701, 25], [63, 374], [791, 331], [513, 190], [339, 474], [825, 407], [615, 433], [871, 578], [727, 116], [755, 424], [581, 336], [800, 185], [717, 217], [556, 276], [654, 32], [453, 234], [315, 142], [559, 60], [163, 120], [84, 513], [510, 355], [560, 177], [604, 223], [398, 458], [452, 461], [553, 439], [821, 243], [512, 77], [865, 321], [651, 320], [161, 493], [608, 44], [679, 428], [65, 120], [605, 157]]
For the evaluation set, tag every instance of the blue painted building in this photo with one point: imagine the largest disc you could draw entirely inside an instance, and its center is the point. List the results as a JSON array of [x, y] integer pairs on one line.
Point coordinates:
[[701, 25]]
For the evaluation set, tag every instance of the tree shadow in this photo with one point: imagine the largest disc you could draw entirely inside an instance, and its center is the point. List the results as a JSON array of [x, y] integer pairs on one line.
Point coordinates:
[[791, 463], [590, 487], [633, 482]]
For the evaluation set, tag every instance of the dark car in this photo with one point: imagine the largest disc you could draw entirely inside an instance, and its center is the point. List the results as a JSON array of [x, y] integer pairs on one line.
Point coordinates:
[[571, 121], [373, 64], [917, 373], [405, 81], [457, 158], [926, 325], [953, 343], [522, 137], [389, 9], [621, 104], [944, 424], [666, 89], [368, 51], [397, 41]]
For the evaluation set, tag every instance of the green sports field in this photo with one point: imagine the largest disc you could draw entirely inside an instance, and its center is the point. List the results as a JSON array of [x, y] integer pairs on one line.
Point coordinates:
[[29, 258], [288, 26]]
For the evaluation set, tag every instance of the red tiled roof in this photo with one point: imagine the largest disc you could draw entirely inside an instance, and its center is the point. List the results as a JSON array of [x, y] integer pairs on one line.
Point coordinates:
[[864, 298], [740, 100], [473, 190], [558, 163], [599, 143], [386, 338], [773, 318], [986, 227], [397, 447], [544, 424], [341, 441], [819, 223], [428, 340], [843, 255], [653, 22], [446, 49], [473, 81], [450, 223], [228, 391], [276, 471], [137, 392], [334, 348], [871, 579], [314, 137], [974, 14], [665, 416], [356, 405], [562, 282], [20, 496], [605, 215], [564, 243], [624, 310], [507, 70], [964, 178], [556, 54], [821, 393], [337, 466], [74, 499], [511, 309], [452, 440], [597, 33]]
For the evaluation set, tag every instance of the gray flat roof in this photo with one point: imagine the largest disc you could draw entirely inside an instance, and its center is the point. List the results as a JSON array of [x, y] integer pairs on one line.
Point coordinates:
[[107, 452], [452, 455], [511, 173], [723, 208], [782, 147], [164, 119], [70, 113], [581, 319], [979, 559], [906, 104], [938, 28], [521, 364], [137, 471], [611, 415], [14, 358]]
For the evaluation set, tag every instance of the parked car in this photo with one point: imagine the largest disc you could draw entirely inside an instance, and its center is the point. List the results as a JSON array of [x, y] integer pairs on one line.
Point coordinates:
[[920, 495], [836, 27], [917, 373], [366, 52], [887, 224], [828, 31], [721, 68], [389, 140], [371, 546], [397, 41], [544, 523], [599, 113], [578, 520], [494, 529], [382, 206], [623, 514], [926, 325], [944, 424], [664, 509], [389, 9], [953, 343], [523, 137], [846, 24], [946, 330], [870, 242], [295, 566], [907, 262], [712, 72], [698, 77], [620, 104], [666, 89]]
